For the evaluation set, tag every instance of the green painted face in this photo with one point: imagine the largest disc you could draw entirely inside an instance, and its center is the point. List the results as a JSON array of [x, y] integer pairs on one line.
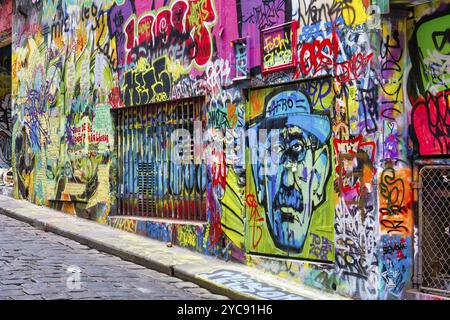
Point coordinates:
[[433, 41]]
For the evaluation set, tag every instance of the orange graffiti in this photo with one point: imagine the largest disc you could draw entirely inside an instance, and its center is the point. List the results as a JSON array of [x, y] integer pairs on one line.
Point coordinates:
[[395, 198]]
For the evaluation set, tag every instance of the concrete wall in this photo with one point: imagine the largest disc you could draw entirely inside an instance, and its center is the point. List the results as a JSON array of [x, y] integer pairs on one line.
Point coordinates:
[[340, 218]]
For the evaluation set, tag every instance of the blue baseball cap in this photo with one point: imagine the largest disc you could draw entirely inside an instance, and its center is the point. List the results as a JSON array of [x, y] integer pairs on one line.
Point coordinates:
[[292, 108]]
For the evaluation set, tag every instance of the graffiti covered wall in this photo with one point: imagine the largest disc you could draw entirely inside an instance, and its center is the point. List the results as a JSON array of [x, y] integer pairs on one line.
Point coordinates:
[[5, 107], [63, 134], [5, 21], [5, 83], [317, 169]]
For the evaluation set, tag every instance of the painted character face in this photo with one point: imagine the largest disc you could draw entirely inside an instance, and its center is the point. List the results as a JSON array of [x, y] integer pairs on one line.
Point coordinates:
[[291, 173], [429, 84], [295, 186], [433, 44]]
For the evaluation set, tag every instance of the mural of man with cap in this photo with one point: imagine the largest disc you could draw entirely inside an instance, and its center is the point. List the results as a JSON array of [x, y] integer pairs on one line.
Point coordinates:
[[290, 165]]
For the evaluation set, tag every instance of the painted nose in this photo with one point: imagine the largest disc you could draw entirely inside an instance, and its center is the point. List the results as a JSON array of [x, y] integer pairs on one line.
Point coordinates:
[[287, 177]]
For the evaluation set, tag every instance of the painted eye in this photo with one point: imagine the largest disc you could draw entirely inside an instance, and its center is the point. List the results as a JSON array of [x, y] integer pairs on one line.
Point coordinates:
[[297, 148]]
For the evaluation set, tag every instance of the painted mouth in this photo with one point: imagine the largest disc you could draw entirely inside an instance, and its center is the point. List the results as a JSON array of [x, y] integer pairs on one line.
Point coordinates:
[[289, 204], [289, 215]]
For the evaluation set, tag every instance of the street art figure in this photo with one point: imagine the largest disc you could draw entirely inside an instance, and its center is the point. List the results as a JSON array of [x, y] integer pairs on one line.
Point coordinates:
[[429, 90], [292, 167], [5, 108]]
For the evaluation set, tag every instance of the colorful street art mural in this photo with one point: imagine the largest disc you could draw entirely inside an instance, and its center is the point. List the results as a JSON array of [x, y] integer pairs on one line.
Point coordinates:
[[289, 194], [429, 90], [5, 108], [6, 15], [315, 108]]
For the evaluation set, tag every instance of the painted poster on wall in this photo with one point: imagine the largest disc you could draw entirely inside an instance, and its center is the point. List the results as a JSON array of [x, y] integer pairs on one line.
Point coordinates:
[[279, 47], [289, 196]]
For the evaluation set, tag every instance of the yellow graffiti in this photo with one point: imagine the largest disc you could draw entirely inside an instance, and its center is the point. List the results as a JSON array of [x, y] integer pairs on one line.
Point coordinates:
[[232, 219], [142, 65], [353, 11], [176, 69], [198, 13], [206, 236], [277, 50], [353, 107], [187, 237], [125, 225]]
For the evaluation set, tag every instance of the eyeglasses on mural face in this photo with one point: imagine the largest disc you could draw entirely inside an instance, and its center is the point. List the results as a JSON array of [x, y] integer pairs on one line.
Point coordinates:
[[291, 154]]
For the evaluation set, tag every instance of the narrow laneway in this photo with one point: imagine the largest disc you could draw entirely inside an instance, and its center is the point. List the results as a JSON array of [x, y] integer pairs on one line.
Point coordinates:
[[38, 265]]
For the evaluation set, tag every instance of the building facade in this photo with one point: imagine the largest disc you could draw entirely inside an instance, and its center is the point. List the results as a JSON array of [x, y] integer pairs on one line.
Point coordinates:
[[286, 135]]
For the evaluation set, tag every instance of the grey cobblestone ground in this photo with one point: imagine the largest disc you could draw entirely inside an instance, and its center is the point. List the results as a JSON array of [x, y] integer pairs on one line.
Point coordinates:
[[34, 264]]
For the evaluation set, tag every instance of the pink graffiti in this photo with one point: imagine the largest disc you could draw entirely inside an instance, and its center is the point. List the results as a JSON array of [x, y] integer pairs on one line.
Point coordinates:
[[431, 123], [218, 169]]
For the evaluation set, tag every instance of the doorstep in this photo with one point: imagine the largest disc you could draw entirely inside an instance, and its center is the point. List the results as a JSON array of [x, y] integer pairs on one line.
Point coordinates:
[[231, 279]]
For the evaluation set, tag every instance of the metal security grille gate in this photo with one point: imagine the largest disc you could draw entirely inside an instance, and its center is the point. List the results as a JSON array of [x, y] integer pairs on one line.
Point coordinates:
[[151, 184], [434, 229]]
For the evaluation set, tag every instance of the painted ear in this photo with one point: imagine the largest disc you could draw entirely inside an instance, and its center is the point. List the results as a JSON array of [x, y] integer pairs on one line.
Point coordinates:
[[320, 175]]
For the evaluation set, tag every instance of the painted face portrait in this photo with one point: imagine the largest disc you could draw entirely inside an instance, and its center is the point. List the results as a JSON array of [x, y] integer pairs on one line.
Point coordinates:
[[292, 167], [431, 48], [429, 91]]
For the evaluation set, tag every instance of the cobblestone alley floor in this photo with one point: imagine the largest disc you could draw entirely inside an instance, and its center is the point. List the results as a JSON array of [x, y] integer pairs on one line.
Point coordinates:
[[38, 265]]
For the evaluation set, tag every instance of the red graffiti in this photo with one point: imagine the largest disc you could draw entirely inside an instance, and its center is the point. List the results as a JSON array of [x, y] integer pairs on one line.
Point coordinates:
[[218, 169], [130, 42], [354, 146], [322, 55], [214, 219], [182, 24], [318, 55], [256, 220], [353, 68], [145, 34], [354, 167], [431, 123], [114, 98], [215, 227]]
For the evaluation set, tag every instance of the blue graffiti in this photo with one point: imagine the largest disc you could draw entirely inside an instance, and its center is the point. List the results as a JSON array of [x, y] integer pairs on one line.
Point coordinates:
[[395, 264]]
